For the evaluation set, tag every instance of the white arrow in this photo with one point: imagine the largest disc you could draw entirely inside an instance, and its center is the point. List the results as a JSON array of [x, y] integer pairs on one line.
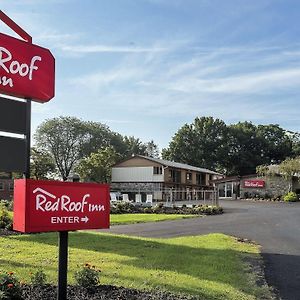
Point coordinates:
[[85, 219]]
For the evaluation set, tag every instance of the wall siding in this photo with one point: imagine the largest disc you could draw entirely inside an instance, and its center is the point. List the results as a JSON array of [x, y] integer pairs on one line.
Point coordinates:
[[135, 174]]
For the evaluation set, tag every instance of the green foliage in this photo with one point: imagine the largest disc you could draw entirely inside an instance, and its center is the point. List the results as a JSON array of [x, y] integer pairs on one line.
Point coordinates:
[[9, 286], [5, 219], [123, 208], [127, 208], [68, 140], [290, 197], [236, 149], [97, 167], [202, 143], [152, 149], [211, 267], [39, 278], [42, 164], [8, 204], [63, 138], [290, 167], [134, 146], [88, 276]]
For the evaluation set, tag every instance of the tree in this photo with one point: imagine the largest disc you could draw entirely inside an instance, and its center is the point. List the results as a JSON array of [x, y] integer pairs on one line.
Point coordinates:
[[152, 149], [276, 144], [64, 139], [41, 165], [245, 149], [97, 167], [133, 146], [288, 168], [202, 143]]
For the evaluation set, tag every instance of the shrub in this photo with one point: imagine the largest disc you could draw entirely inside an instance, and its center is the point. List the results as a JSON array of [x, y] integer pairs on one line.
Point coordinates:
[[88, 276], [207, 210], [290, 197], [9, 286], [5, 219], [125, 207], [7, 204], [39, 278], [158, 208], [148, 210]]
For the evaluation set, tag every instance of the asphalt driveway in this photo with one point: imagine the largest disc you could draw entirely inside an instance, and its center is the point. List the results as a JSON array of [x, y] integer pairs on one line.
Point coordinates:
[[275, 226]]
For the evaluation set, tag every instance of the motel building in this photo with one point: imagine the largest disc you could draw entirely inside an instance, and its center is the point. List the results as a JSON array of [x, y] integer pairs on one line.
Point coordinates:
[[146, 179], [254, 186]]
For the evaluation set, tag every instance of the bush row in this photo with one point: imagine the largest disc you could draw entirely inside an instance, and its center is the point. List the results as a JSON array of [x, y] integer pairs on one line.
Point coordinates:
[[87, 277], [125, 208], [289, 197]]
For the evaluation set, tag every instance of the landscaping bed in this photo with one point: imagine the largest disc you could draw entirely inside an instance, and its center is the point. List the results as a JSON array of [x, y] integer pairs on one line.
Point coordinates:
[[126, 207], [103, 292]]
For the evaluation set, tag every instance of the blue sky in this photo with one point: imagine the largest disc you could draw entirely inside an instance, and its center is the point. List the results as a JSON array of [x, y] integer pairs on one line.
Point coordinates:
[[146, 67]]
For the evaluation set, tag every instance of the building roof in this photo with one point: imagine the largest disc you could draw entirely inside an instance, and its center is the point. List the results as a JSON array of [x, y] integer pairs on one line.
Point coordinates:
[[174, 164]]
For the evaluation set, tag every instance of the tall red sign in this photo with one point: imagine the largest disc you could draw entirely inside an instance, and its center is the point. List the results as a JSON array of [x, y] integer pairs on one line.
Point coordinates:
[[26, 70], [42, 206]]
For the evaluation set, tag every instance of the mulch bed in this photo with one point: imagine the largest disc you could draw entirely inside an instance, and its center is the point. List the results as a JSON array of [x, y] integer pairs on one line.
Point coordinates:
[[102, 292]]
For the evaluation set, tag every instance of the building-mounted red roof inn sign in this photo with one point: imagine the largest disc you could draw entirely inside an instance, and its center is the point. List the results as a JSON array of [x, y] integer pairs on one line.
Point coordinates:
[[254, 184], [42, 206], [26, 70]]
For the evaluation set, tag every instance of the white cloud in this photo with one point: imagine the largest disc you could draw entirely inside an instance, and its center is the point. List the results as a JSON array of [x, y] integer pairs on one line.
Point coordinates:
[[267, 81], [111, 49]]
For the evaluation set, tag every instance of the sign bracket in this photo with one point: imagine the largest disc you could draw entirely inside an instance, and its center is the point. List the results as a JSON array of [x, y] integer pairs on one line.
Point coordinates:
[[15, 27]]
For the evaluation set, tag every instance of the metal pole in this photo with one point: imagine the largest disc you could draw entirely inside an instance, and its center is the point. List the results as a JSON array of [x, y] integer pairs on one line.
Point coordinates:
[[28, 138], [62, 265]]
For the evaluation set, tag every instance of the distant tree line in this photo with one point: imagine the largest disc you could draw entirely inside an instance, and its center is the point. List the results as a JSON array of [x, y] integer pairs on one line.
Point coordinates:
[[68, 144], [235, 149]]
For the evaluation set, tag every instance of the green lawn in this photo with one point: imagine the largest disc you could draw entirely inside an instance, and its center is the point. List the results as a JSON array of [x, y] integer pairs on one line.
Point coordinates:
[[212, 266], [117, 219]]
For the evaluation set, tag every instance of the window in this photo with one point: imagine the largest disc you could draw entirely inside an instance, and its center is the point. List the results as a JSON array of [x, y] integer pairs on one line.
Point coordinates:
[[1, 186], [222, 190], [201, 179], [229, 189], [157, 170], [189, 176], [175, 176], [225, 189]]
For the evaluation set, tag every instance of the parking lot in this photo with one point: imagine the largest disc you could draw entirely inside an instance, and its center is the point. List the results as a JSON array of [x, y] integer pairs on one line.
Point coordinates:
[[275, 226]]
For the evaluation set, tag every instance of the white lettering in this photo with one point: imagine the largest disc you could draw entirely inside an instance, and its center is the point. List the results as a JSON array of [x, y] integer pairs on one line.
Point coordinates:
[[32, 66], [93, 207], [15, 67], [40, 200], [65, 200], [4, 60], [63, 203], [63, 220], [6, 81], [22, 72]]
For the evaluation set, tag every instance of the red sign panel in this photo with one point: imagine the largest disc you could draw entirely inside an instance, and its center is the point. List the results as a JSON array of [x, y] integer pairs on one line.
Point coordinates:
[[42, 206], [26, 70], [254, 183]]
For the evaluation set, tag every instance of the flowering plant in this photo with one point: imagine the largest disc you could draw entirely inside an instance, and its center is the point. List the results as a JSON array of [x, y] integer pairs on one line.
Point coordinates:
[[9, 286], [87, 276]]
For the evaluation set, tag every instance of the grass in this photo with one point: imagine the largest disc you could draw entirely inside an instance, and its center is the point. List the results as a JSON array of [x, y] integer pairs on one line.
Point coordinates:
[[211, 266], [117, 219]]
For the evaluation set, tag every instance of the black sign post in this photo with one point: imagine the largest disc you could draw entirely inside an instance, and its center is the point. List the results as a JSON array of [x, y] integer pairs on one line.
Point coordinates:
[[62, 265], [28, 138]]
